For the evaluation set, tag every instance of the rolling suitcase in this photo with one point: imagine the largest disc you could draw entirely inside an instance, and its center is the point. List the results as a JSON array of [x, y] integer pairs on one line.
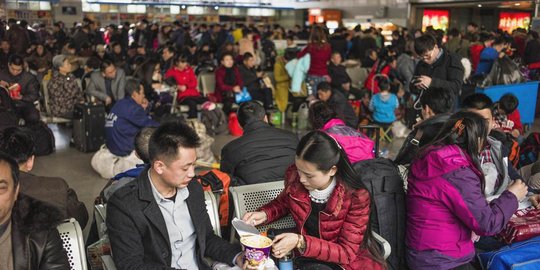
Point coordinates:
[[88, 127]]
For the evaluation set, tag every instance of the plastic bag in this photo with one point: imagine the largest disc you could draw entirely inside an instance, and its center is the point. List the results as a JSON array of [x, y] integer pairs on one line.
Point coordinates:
[[503, 71], [243, 96]]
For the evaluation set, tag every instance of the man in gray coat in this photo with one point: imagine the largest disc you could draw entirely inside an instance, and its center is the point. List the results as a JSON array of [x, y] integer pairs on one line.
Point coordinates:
[[108, 84]]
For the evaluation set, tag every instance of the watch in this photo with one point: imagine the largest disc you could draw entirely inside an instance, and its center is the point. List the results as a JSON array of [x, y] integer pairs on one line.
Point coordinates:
[[301, 245]]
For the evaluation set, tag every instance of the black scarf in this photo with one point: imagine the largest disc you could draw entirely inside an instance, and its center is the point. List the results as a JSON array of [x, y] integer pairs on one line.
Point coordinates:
[[230, 77]]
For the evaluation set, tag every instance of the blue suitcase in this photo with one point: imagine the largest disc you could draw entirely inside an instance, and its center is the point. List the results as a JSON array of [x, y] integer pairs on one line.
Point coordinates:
[[523, 255]]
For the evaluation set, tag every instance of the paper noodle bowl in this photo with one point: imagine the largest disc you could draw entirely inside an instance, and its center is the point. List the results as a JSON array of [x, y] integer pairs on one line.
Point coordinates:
[[257, 249]]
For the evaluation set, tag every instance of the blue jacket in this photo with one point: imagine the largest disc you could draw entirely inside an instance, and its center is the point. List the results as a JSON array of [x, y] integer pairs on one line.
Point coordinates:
[[122, 125], [383, 108], [487, 58]]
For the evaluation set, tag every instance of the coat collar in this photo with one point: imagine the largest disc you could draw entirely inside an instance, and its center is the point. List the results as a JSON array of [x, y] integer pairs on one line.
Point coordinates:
[[335, 203], [151, 210]]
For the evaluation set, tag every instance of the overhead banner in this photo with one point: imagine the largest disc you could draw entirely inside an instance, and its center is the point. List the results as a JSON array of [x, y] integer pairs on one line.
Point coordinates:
[[437, 18], [510, 21]]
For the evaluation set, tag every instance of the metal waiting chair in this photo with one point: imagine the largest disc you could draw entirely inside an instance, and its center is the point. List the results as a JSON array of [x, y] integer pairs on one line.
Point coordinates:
[[73, 242], [212, 207], [249, 198]]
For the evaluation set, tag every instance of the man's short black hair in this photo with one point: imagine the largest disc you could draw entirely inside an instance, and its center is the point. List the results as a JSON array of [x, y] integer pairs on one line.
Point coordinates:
[[499, 41], [13, 166], [168, 137], [18, 143], [132, 85], [477, 101], [249, 112], [454, 32], [384, 85], [171, 49], [142, 139], [16, 59], [247, 56], [105, 64], [424, 44], [324, 86], [438, 100], [508, 103]]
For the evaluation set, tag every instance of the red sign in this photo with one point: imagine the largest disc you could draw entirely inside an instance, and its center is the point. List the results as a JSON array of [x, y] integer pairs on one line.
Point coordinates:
[[510, 21], [437, 18]]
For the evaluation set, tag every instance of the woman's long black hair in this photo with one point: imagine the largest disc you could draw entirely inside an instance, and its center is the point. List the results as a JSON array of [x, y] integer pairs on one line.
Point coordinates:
[[322, 150], [469, 131]]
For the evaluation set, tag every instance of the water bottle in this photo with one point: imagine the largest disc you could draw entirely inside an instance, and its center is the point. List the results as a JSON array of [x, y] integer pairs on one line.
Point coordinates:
[[286, 263]]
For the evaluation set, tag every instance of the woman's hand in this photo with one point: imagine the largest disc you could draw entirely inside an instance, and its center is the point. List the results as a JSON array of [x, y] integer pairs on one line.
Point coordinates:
[[535, 200], [284, 243], [255, 218], [237, 89], [240, 262], [519, 189]]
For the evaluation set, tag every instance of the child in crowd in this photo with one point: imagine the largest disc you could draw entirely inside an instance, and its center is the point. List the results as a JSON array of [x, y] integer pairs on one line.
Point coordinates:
[[384, 104], [506, 115], [365, 116]]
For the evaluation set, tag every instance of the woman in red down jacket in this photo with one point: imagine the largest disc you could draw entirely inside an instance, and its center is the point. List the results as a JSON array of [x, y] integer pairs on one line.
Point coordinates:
[[187, 84], [329, 206], [320, 52]]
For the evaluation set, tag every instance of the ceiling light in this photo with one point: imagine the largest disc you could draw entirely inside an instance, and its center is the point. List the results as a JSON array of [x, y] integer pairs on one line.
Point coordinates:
[[216, 7], [183, 6], [479, 5], [517, 4]]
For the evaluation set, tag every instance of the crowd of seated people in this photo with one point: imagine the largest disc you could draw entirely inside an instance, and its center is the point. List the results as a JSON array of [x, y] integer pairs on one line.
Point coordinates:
[[156, 213]]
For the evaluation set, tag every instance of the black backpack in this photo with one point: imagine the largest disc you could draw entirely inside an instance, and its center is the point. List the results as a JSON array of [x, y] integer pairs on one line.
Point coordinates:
[[388, 216], [43, 138], [215, 122]]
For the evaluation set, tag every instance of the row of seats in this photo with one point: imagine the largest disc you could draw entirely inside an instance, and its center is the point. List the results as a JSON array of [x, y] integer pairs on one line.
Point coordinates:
[[246, 199]]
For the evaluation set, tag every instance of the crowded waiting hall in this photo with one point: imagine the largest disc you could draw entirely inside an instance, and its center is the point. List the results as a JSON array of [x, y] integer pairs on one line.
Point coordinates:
[[269, 135]]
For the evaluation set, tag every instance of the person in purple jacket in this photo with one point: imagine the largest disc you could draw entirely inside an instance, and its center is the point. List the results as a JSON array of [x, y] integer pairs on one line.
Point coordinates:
[[446, 206]]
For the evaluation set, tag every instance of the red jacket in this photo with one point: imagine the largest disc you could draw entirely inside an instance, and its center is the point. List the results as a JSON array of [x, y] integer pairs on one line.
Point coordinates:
[[373, 85], [342, 225], [476, 50], [319, 58], [184, 77], [221, 87]]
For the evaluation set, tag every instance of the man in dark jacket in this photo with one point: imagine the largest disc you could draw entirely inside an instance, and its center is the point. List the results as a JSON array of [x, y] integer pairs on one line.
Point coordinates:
[[143, 231], [17, 37], [23, 86], [263, 153], [438, 69], [436, 106], [340, 79], [252, 80], [338, 42], [361, 45], [28, 235], [19, 144], [339, 103]]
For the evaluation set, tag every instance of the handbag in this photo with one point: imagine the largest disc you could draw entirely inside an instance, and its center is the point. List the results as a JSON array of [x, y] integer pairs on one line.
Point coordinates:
[[243, 96], [524, 225]]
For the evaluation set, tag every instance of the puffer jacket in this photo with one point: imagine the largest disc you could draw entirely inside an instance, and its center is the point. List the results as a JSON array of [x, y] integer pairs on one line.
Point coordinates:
[[298, 70], [187, 78], [342, 224], [35, 240], [357, 146], [445, 205]]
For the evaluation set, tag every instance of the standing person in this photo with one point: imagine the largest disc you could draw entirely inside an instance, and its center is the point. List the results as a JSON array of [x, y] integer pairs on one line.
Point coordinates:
[[18, 37], [188, 94], [457, 44], [489, 55], [320, 52], [532, 49], [446, 207], [329, 206], [438, 69]]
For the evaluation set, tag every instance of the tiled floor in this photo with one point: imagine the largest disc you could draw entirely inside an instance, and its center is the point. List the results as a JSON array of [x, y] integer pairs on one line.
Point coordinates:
[[74, 166]]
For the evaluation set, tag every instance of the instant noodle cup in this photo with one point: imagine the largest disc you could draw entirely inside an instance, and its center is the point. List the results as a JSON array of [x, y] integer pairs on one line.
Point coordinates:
[[256, 249]]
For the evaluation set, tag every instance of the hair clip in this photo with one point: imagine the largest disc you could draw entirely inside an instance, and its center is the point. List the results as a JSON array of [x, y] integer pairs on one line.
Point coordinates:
[[459, 127]]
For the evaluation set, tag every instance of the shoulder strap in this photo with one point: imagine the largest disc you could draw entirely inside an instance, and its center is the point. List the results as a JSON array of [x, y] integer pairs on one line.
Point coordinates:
[[416, 140]]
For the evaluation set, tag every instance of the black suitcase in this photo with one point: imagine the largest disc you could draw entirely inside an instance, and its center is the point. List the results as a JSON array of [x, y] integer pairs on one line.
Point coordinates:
[[88, 127]]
